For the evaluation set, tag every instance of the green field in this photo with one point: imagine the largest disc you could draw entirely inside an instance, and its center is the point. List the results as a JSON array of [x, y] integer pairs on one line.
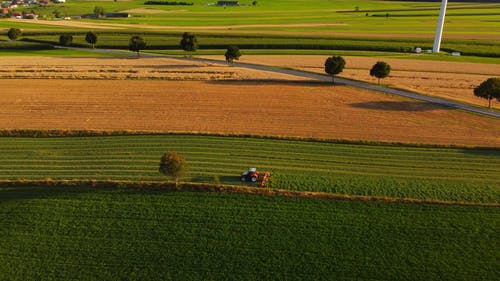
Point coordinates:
[[470, 175], [170, 41], [281, 25], [420, 16], [88, 230], [289, 16], [97, 234]]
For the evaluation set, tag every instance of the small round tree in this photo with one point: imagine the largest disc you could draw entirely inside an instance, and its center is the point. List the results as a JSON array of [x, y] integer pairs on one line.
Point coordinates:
[[91, 38], [173, 165], [99, 11], [14, 33], [232, 53], [380, 70], [489, 89], [136, 44], [334, 65], [65, 39], [189, 43]]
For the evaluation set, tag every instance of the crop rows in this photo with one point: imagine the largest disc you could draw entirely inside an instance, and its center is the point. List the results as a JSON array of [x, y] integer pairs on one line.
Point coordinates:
[[376, 170], [91, 234], [170, 42]]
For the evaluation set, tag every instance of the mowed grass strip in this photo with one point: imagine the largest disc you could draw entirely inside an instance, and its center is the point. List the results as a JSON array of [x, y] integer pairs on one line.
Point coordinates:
[[107, 234], [447, 174]]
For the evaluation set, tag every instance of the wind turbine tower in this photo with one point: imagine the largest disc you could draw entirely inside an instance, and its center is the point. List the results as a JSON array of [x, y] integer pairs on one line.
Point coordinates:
[[439, 29]]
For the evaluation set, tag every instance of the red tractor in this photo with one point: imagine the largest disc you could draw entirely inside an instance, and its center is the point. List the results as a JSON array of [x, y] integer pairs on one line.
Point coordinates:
[[252, 175]]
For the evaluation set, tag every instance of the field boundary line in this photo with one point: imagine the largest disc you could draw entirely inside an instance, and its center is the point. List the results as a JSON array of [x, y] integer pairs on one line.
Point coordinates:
[[169, 186], [26, 133]]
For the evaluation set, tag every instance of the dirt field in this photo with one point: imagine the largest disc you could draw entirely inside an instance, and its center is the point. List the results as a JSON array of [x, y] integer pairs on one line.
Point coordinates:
[[451, 80], [285, 109]]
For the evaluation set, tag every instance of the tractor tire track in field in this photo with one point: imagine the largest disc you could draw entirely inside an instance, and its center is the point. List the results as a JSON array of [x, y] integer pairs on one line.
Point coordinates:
[[324, 78]]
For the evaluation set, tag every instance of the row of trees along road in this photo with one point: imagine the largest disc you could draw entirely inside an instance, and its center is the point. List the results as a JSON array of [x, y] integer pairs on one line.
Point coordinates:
[[188, 43], [489, 89], [335, 65]]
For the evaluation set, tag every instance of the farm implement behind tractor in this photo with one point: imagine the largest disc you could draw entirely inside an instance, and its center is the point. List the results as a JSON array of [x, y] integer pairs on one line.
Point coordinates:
[[253, 176]]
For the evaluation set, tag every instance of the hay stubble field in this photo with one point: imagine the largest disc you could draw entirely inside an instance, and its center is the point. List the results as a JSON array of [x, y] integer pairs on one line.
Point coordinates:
[[149, 95], [283, 109]]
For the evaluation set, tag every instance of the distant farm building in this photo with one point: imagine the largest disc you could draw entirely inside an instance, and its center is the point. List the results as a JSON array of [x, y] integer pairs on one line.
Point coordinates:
[[117, 15], [89, 16], [228, 3]]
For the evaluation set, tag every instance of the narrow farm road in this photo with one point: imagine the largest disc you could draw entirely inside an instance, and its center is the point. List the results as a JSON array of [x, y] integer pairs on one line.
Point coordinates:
[[319, 77]]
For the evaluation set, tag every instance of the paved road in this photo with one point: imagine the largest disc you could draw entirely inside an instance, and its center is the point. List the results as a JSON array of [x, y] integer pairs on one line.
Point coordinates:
[[322, 77]]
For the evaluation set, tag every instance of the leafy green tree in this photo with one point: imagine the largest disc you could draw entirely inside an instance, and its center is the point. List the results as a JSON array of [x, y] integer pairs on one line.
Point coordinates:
[[99, 11], [380, 70], [136, 44], [232, 53], [14, 33], [334, 65], [65, 39], [489, 89], [57, 13], [173, 164], [91, 38], [189, 43]]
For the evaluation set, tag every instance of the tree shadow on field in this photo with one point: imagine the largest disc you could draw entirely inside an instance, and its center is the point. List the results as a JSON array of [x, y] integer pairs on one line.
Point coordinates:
[[214, 179], [484, 152], [159, 67], [230, 179], [308, 83], [398, 106], [20, 193]]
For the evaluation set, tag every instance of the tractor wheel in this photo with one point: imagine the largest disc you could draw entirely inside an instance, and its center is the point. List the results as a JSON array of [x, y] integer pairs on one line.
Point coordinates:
[[254, 179], [243, 179]]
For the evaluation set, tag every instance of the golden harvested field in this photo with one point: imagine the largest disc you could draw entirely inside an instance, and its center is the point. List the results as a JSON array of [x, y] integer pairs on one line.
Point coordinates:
[[271, 108], [451, 80], [125, 68]]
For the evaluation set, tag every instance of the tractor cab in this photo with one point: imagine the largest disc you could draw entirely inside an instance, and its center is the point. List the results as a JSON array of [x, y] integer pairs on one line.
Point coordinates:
[[252, 175]]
